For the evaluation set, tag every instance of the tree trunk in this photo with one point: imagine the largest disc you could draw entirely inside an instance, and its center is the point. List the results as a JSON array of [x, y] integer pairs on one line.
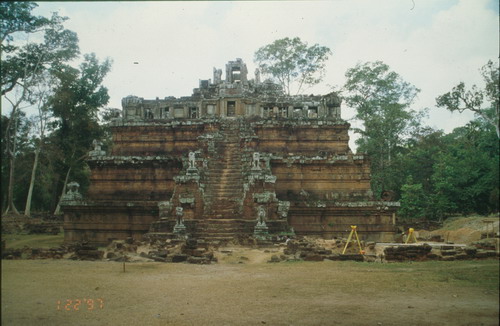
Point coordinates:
[[12, 159], [27, 210], [58, 208]]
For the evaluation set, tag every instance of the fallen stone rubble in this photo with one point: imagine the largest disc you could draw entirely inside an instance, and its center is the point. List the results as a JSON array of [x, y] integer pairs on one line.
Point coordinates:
[[45, 227], [34, 253], [443, 252], [308, 250], [169, 251]]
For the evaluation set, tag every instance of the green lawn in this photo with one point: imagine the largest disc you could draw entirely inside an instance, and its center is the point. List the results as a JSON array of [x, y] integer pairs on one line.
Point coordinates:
[[33, 240]]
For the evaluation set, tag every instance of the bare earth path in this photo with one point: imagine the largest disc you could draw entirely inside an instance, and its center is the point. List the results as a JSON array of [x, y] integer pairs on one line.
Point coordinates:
[[253, 293]]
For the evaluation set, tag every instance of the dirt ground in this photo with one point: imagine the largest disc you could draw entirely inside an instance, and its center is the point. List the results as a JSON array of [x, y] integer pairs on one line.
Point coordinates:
[[465, 229], [243, 289]]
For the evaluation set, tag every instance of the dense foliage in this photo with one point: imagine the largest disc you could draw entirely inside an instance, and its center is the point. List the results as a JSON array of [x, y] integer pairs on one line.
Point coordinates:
[[382, 100], [456, 173], [432, 174], [43, 151], [293, 63]]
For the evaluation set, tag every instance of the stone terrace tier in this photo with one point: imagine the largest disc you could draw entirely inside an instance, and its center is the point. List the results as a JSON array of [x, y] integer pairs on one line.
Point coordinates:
[[235, 155]]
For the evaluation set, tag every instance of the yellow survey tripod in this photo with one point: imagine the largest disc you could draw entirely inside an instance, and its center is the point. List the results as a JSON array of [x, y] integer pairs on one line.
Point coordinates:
[[411, 235], [353, 231]]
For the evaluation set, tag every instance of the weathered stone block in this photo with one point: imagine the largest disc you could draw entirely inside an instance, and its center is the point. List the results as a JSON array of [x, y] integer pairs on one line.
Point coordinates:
[[314, 257], [177, 258]]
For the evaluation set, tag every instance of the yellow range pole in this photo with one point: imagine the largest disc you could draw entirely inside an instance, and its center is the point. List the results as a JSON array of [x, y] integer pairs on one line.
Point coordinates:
[[410, 234], [359, 243], [349, 238], [353, 231]]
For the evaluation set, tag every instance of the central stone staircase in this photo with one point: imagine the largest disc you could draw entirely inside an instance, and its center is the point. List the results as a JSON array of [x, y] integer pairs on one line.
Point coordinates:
[[224, 187]]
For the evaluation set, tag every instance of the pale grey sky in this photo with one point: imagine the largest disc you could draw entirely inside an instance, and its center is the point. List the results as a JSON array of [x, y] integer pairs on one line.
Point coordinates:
[[431, 44]]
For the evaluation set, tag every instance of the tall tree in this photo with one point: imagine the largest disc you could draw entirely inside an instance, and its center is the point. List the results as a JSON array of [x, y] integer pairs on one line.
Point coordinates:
[[461, 99], [23, 62], [293, 62], [466, 173], [75, 105], [382, 101], [41, 120]]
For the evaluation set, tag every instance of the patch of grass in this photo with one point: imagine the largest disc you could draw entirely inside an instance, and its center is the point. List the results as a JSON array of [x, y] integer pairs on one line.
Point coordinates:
[[33, 240]]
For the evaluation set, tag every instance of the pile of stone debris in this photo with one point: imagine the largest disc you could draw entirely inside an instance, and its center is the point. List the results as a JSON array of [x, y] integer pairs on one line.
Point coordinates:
[[85, 251], [43, 227], [169, 251], [34, 253], [309, 250], [444, 252], [26, 225], [315, 250]]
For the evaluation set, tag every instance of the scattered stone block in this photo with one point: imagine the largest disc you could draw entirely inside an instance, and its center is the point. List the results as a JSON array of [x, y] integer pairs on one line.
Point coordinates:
[[471, 251], [313, 257], [177, 258], [448, 258], [274, 259]]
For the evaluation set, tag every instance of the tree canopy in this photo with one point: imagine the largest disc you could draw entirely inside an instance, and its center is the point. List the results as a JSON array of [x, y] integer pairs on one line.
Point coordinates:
[[382, 101], [22, 62], [473, 99], [292, 62]]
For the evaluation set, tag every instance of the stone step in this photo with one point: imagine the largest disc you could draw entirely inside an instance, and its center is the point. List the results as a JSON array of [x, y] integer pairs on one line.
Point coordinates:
[[217, 166], [223, 200], [222, 182], [223, 185], [219, 239], [227, 172], [216, 187], [219, 229], [216, 179], [226, 221], [224, 211]]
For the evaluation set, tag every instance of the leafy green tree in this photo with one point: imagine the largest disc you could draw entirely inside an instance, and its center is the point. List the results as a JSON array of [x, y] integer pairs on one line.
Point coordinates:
[[382, 101], [40, 124], [20, 144], [466, 174], [75, 105], [414, 200], [461, 99], [24, 61], [293, 62]]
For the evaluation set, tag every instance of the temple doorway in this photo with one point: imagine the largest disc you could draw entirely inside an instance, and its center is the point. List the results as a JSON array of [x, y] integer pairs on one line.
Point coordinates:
[[231, 108]]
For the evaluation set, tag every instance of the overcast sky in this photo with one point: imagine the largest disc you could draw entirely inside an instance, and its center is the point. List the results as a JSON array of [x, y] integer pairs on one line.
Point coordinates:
[[431, 44]]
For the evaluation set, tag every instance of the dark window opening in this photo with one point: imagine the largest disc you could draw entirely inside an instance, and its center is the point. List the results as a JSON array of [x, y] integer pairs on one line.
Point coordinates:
[[312, 112], [236, 74], [193, 113]]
